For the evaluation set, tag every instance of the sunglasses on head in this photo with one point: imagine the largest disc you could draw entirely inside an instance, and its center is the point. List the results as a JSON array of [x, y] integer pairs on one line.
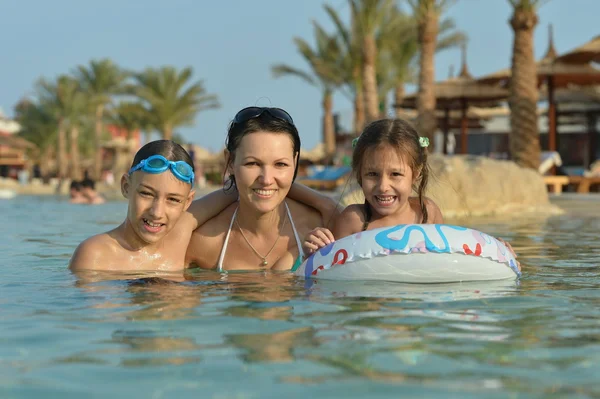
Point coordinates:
[[254, 112]]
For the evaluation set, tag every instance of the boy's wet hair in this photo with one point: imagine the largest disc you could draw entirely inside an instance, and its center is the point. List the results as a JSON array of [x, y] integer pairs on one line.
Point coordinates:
[[88, 183], [167, 148], [75, 185], [401, 135], [265, 122]]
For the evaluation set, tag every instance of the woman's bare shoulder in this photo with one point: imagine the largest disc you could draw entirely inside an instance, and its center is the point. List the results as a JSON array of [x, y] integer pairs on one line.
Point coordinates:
[[207, 240], [218, 224], [305, 215]]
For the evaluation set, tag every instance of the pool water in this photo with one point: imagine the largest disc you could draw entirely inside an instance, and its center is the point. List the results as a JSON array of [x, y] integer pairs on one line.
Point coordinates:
[[257, 335]]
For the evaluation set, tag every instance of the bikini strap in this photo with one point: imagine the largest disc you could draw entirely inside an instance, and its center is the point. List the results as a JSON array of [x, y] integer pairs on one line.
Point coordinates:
[[298, 242], [224, 249]]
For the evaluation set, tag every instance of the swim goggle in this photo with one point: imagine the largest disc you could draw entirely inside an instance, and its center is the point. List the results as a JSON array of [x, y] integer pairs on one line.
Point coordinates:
[[158, 164], [254, 112]]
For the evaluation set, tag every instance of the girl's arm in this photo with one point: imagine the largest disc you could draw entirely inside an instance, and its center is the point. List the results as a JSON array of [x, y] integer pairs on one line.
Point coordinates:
[[324, 204], [205, 208]]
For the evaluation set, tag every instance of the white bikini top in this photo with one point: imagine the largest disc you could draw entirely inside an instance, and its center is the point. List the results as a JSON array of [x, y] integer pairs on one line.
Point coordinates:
[[224, 249]]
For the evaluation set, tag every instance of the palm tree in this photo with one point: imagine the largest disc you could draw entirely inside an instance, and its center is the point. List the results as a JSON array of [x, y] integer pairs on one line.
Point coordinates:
[[101, 80], [368, 16], [50, 98], [38, 125], [131, 117], [324, 61], [524, 134], [169, 98], [351, 65], [427, 13]]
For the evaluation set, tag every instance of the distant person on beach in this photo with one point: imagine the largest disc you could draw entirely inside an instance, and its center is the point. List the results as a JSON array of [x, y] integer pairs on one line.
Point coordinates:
[[75, 194], [263, 230], [160, 215], [88, 188]]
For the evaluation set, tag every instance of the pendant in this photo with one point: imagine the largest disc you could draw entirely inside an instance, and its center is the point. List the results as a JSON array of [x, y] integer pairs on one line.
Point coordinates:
[[264, 262]]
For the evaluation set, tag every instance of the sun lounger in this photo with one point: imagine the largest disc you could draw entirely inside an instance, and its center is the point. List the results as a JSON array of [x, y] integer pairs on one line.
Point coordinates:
[[329, 178], [556, 183], [584, 183]]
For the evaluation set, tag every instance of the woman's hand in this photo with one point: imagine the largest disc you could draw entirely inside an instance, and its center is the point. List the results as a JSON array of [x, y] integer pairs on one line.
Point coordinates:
[[317, 238]]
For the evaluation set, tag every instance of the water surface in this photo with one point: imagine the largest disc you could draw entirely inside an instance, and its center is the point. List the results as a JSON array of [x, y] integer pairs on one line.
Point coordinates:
[[256, 335]]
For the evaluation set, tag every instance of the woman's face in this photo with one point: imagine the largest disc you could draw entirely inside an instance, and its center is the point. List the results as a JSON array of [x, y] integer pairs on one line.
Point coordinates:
[[156, 202], [263, 166]]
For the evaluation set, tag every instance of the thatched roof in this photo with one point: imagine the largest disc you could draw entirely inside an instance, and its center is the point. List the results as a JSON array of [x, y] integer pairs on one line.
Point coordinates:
[[562, 72], [589, 52], [452, 92], [16, 142]]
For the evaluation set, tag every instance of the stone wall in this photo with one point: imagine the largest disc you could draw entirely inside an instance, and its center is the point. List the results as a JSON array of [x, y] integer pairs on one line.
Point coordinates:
[[478, 186]]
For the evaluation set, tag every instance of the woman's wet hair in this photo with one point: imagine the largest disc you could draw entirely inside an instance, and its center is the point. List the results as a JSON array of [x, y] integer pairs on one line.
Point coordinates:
[[402, 136], [167, 148], [265, 122]]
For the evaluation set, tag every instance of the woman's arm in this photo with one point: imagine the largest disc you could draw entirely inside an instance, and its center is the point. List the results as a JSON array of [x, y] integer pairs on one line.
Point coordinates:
[[324, 204], [205, 208]]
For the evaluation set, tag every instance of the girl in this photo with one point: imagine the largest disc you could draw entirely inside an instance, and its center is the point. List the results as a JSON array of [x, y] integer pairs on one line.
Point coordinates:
[[390, 162]]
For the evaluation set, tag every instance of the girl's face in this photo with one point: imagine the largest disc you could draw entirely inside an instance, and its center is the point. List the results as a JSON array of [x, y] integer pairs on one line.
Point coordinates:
[[263, 167], [387, 180], [156, 202]]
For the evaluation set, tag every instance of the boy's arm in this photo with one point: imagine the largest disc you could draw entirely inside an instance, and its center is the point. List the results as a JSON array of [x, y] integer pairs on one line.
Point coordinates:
[[324, 204], [205, 208]]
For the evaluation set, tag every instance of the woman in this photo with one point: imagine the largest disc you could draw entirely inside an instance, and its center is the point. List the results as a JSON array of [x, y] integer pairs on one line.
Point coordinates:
[[262, 230]]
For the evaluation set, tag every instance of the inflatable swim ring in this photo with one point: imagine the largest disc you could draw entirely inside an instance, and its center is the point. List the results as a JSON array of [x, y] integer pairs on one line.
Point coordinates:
[[413, 253]]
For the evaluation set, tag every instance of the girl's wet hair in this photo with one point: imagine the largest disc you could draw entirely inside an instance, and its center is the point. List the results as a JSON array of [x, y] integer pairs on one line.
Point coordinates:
[[265, 122], [401, 135], [167, 148]]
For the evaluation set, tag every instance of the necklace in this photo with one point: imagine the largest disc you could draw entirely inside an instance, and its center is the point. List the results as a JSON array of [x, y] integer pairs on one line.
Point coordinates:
[[264, 258]]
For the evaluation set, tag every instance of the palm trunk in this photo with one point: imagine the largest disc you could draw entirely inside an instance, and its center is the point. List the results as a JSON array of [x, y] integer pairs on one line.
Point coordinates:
[[328, 124], [398, 98], [427, 35], [359, 106], [167, 132], [75, 161], [369, 53], [147, 137], [62, 151], [44, 162], [524, 140], [98, 143]]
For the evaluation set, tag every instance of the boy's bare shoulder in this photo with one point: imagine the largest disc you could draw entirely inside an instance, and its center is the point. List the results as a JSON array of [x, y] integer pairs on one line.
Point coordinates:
[[94, 252]]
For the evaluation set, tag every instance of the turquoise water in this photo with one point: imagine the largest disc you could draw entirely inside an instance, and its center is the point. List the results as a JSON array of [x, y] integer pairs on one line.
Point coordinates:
[[254, 335]]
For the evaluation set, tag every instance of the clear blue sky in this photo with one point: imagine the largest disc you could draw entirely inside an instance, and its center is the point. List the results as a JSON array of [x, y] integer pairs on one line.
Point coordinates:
[[231, 45]]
